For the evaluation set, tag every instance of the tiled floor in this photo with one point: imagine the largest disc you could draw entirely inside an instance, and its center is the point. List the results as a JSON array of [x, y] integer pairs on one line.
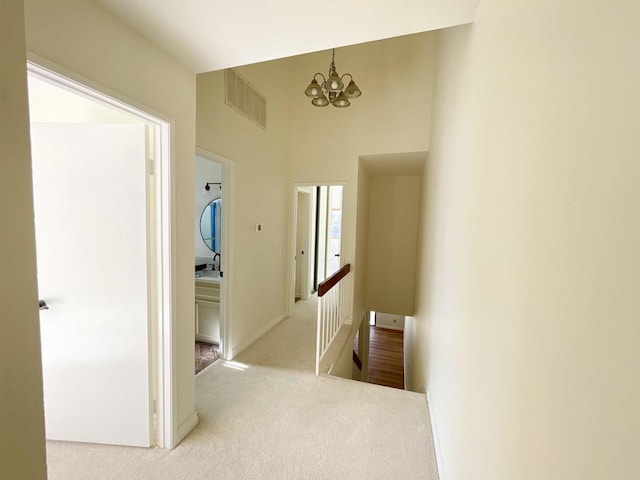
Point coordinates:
[[205, 354]]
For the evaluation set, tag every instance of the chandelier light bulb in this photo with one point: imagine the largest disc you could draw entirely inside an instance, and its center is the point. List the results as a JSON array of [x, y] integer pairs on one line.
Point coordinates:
[[330, 91]]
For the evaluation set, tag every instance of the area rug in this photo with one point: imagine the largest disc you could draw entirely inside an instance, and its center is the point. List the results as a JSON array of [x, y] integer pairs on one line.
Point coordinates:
[[206, 354]]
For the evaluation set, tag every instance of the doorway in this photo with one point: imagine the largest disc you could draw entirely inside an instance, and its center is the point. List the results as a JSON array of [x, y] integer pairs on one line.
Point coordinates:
[[213, 223], [304, 254], [316, 237], [101, 178]]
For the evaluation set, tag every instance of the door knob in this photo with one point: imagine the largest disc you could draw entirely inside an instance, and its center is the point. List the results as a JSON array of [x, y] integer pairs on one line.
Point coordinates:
[[43, 305]]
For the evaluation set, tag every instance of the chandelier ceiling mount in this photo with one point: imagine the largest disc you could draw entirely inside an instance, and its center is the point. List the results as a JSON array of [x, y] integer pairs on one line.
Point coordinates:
[[332, 90]]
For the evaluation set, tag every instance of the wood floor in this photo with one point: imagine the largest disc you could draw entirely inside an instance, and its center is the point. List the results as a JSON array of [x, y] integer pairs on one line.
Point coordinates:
[[386, 357]]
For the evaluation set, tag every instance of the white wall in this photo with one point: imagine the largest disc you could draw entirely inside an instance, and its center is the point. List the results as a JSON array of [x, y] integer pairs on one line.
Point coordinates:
[[527, 314], [393, 234], [389, 320], [84, 39], [22, 446], [362, 245], [261, 193], [392, 115], [309, 145], [206, 171]]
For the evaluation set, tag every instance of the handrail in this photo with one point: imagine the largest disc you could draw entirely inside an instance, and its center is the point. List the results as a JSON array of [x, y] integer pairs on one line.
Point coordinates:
[[331, 312], [333, 280]]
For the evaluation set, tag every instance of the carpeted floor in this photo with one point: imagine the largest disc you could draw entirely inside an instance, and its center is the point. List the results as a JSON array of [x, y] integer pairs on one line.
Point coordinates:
[[206, 354], [267, 416]]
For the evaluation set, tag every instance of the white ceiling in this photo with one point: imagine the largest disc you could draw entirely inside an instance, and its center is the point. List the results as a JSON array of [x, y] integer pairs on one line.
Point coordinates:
[[208, 35]]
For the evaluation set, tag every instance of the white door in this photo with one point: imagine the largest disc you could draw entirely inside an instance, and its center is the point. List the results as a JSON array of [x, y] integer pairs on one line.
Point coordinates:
[[91, 236]]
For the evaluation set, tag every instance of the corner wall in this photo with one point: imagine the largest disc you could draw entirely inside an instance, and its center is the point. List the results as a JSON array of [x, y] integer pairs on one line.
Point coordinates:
[[362, 244], [527, 318], [261, 193], [22, 445], [393, 234], [393, 115]]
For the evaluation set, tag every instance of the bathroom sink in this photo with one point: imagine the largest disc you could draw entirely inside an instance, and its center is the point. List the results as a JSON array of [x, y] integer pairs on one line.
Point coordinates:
[[208, 275]]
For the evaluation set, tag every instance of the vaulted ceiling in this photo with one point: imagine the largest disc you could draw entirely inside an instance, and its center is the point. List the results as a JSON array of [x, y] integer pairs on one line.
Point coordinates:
[[208, 35]]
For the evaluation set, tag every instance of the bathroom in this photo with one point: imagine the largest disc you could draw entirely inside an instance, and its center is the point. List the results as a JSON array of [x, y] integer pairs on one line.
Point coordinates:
[[208, 260]]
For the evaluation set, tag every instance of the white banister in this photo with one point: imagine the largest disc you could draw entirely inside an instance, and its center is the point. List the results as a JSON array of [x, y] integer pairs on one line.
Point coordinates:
[[331, 313]]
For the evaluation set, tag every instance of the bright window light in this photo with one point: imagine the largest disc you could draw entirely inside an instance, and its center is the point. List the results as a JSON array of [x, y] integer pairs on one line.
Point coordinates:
[[372, 319]]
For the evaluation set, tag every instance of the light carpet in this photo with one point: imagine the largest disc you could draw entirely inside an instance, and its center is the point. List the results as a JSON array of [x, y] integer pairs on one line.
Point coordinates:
[[266, 416]]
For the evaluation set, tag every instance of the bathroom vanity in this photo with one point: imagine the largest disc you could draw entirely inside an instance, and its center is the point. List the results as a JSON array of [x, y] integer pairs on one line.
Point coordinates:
[[208, 306], [208, 263]]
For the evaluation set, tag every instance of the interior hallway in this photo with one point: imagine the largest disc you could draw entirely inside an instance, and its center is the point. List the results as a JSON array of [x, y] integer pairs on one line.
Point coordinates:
[[267, 416]]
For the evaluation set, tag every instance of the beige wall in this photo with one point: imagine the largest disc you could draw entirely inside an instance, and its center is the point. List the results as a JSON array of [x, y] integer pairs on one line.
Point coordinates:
[[22, 448], [89, 42], [527, 313], [393, 233], [261, 193], [306, 144], [392, 115], [362, 245]]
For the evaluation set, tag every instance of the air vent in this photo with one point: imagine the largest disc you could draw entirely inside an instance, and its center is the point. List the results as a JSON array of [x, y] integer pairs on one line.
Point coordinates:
[[246, 100]]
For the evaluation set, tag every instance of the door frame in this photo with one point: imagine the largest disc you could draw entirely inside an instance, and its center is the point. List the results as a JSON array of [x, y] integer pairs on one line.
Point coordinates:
[[227, 260], [163, 351], [293, 223], [305, 288]]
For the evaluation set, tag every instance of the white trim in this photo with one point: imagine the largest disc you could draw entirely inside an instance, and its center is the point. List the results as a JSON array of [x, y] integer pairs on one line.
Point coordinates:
[[185, 427], [227, 257], [243, 346], [293, 218], [436, 438], [166, 385], [305, 288]]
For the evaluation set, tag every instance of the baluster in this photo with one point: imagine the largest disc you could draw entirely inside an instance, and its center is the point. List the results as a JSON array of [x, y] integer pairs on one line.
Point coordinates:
[[333, 312], [318, 328], [339, 293]]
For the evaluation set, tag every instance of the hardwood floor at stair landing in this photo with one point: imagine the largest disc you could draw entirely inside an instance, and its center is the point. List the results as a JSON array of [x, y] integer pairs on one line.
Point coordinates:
[[386, 357]]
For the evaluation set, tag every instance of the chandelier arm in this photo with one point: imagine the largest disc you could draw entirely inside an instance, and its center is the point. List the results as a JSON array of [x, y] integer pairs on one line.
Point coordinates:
[[323, 77], [350, 76]]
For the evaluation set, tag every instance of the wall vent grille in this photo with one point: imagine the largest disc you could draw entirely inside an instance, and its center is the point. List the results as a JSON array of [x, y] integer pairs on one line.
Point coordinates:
[[244, 98]]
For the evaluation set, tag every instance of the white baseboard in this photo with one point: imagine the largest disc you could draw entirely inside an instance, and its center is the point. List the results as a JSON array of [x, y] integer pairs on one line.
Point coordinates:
[[244, 345], [185, 428], [436, 438]]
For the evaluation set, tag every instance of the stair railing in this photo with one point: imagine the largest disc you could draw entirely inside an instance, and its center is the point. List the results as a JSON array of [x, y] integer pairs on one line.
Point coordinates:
[[331, 312]]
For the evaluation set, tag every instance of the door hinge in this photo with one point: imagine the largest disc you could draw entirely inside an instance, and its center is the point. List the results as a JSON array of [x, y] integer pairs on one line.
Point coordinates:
[[151, 167]]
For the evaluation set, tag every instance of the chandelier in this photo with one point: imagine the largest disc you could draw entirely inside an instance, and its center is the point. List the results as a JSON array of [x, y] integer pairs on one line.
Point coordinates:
[[330, 91]]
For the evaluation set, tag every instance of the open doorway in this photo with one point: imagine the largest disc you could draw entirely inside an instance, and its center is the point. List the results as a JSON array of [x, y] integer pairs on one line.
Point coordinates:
[[213, 220], [304, 252], [316, 237], [101, 180], [378, 350]]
